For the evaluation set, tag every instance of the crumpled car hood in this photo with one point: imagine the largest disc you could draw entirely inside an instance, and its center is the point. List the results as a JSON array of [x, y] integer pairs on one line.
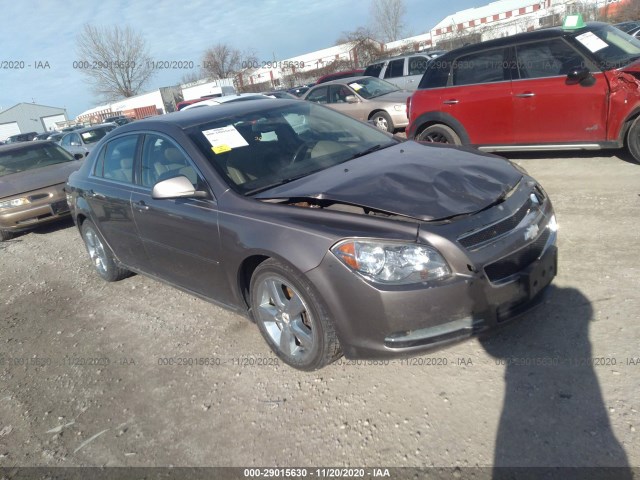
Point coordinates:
[[30, 180], [424, 182]]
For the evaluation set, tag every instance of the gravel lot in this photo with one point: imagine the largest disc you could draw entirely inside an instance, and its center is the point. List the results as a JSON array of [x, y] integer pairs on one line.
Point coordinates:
[[85, 378]]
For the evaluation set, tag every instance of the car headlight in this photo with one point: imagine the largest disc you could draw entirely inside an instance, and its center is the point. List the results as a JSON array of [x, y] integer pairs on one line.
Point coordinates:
[[16, 202], [392, 262], [399, 108]]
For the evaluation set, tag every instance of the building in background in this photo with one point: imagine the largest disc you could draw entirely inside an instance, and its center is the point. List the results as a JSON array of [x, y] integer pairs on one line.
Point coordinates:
[[29, 117]]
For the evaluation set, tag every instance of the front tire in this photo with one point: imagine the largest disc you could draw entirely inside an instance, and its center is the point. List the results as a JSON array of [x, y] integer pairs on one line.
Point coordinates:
[[633, 140], [383, 121], [292, 318], [101, 256], [5, 235], [439, 133]]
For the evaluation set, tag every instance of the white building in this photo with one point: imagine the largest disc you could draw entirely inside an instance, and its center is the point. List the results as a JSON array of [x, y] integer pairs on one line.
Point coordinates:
[[274, 71]]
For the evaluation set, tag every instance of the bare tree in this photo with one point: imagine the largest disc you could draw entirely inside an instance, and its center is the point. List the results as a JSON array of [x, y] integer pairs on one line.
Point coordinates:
[[191, 76], [364, 49], [388, 18], [115, 60], [221, 61]]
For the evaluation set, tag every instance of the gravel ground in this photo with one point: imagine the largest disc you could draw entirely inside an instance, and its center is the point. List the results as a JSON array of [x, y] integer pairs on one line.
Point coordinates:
[[85, 379]]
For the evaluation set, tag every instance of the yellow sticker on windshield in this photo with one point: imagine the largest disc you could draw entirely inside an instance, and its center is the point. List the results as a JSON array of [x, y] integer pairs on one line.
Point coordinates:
[[221, 149]]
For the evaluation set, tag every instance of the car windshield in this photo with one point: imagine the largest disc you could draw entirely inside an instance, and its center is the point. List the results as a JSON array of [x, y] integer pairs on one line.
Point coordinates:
[[92, 136], [260, 150], [612, 47], [31, 156], [371, 87]]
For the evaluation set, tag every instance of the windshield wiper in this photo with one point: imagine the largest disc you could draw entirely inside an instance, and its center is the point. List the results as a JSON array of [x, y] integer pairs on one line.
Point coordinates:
[[369, 150], [278, 183]]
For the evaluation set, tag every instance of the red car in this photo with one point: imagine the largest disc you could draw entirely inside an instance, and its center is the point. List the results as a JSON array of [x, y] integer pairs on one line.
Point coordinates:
[[552, 89], [340, 75]]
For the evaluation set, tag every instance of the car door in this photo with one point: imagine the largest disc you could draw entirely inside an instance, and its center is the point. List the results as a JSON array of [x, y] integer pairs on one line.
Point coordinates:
[[338, 101], [416, 66], [109, 198], [395, 73], [548, 107], [180, 235], [479, 96]]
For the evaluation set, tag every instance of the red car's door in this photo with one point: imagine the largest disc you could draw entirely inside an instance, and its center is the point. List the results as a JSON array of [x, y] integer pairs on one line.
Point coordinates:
[[480, 97], [550, 109]]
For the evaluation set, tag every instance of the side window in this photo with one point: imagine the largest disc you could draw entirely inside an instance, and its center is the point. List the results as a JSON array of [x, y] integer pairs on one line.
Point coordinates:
[[395, 69], [483, 67], [319, 95], [338, 93], [66, 141], [162, 159], [117, 159], [75, 139], [417, 65], [373, 70], [550, 58]]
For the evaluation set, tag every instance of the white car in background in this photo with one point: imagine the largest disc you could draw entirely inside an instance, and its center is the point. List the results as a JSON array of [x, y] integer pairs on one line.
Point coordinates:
[[226, 99]]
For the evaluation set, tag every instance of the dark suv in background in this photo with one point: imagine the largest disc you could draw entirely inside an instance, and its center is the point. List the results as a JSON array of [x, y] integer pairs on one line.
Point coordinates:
[[552, 89]]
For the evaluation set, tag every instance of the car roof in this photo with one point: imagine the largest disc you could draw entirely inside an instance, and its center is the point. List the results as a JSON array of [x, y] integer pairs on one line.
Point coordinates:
[[185, 119], [23, 145], [344, 80], [92, 127], [541, 34]]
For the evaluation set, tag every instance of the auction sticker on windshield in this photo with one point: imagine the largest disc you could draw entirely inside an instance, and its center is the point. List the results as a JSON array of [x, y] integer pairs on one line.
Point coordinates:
[[224, 139], [591, 41]]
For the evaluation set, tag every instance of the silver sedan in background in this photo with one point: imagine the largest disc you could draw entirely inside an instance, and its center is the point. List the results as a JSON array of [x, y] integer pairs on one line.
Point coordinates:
[[366, 99]]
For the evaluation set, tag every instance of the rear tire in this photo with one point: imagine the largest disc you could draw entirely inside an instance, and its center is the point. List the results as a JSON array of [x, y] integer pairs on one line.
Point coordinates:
[[439, 133], [291, 317], [5, 235], [633, 140], [101, 255], [383, 121]]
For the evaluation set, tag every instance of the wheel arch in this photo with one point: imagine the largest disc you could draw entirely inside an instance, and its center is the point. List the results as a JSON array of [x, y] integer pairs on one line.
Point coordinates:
[[432, 118]]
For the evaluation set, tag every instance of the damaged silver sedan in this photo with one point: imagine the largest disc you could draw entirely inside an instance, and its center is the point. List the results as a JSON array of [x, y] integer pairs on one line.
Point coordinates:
[[334, 237]]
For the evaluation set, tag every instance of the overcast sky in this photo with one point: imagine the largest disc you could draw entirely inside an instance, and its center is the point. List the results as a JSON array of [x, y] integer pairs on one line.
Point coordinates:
[[35, 32]]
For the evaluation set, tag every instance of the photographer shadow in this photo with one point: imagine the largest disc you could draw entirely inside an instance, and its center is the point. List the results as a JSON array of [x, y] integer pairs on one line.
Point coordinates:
[[553, 413]]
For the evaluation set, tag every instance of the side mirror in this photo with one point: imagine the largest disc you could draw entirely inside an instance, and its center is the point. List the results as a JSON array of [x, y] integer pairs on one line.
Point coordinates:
[[351, 99], [78, 156], [578, 75], [176, 187]]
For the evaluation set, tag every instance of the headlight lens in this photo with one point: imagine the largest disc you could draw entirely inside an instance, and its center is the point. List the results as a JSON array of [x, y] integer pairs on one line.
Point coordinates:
[[392, 262], [16, 202]]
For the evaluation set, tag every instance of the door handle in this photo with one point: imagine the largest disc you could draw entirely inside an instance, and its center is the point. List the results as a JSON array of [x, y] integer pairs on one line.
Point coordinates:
[[526, 95], [141, 206], [453, 101], [96, 195]]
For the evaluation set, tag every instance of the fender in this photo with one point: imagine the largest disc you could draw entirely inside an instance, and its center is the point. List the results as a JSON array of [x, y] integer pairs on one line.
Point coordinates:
[[438, 117]]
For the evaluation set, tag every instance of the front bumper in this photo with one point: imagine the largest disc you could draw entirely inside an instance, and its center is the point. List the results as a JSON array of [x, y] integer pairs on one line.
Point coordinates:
[[376, 321], [48, 204]]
